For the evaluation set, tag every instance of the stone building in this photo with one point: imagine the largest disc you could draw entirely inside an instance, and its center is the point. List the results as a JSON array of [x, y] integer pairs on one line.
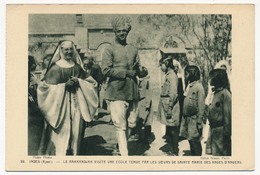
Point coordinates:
[[45, 31], [91, 33]]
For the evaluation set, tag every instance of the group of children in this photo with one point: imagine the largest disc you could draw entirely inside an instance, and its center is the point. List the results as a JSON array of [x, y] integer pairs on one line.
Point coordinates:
[[184, 113], [183, 110]]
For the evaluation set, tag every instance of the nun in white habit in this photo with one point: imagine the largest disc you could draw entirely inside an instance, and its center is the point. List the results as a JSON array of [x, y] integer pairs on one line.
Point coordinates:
[[67, 97]]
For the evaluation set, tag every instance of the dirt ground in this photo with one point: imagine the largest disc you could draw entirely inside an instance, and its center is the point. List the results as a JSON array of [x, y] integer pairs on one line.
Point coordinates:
[[100, 139]]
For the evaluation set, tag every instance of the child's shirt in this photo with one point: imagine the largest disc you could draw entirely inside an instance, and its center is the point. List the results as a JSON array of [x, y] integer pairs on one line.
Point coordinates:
[[169, 103], [220, 111], [194, 101], [145, 101]]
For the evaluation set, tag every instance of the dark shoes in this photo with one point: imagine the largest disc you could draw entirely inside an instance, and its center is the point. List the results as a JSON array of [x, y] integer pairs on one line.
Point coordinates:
[[165, 137]]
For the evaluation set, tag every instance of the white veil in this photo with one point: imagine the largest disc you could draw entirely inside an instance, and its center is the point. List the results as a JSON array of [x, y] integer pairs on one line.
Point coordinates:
[[58, 55]]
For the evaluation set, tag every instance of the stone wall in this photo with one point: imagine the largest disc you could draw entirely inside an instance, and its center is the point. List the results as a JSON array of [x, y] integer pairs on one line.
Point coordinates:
[[52, 23], [150, 59], [99, 36], [44, 44]]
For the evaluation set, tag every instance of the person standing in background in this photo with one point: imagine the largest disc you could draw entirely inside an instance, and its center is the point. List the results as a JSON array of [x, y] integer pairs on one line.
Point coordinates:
[[35, 118], [145, 113], [32, 78], [94, 71], [45, 61]]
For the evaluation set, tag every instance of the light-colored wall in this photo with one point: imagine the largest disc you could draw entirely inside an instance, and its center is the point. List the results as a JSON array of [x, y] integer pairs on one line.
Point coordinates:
[[150, 59], [98, 37], [41, 45], [52, 24]]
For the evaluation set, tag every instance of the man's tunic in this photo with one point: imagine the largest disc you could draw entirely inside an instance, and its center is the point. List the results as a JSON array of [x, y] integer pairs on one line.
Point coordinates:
[[116, 61]]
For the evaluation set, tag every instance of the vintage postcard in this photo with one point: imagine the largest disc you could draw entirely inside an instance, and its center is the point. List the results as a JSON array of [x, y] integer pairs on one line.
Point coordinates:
[[130, 87]]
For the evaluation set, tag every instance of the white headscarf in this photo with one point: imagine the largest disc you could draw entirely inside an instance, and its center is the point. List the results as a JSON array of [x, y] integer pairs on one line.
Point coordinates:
[[223, 63], [58, 55], [219, 65]]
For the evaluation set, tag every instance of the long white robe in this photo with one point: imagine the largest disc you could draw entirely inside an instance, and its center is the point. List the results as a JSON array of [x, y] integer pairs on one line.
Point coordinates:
[[64, 114]]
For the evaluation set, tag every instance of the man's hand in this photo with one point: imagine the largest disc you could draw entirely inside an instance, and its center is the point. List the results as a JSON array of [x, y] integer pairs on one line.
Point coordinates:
[[131, 73], [199, 127], [169, 114], [142, 72]]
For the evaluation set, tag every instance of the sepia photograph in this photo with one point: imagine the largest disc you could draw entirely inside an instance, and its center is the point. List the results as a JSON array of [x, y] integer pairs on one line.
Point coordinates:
[[117, 89], [155, 84]]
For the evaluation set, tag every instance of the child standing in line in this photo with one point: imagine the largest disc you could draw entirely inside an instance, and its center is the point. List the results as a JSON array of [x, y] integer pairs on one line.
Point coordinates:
[[220, 114], [145, 114], [223, 64], [169, 108], [193, 109]]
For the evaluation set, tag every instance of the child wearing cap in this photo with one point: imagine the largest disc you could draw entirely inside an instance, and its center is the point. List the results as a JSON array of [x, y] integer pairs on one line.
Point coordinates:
[[169, 108]]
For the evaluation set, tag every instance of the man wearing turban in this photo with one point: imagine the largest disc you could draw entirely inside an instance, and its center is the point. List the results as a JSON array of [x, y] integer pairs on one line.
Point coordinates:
[[121, 64]]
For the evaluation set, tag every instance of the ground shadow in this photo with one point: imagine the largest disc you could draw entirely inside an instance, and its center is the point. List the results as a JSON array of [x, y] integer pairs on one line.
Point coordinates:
[[94, 123], [96, 145], [166, 148], [99, 122], [138, 147], [186, 153]]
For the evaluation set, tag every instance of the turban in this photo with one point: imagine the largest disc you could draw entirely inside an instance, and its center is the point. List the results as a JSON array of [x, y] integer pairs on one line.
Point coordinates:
[[124, 22]]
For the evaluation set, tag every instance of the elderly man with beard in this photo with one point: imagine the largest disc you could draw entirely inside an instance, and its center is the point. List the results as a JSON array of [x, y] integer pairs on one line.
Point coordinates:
[[121, 64]]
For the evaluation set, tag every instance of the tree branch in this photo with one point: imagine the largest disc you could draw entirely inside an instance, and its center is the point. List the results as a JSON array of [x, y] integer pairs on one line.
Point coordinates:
[[203, 47]]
